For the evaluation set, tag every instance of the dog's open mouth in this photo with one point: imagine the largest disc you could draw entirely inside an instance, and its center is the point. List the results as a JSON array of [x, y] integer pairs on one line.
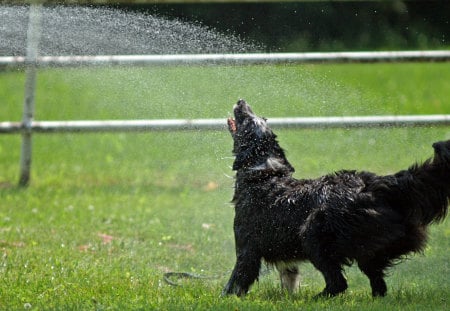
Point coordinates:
[[232, 125]]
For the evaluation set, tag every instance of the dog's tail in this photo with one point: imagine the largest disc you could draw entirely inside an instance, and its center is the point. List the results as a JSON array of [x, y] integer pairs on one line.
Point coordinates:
[[421, 193]]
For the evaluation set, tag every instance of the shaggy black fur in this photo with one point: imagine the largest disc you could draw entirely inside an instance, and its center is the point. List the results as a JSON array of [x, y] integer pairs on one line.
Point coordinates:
[[331, 221]]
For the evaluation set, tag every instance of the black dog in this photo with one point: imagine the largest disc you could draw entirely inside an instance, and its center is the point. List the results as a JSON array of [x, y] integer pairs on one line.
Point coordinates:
[[330, 221]]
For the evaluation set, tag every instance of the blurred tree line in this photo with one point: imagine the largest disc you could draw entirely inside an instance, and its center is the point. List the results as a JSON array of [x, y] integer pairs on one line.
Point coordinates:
[[322, 26]]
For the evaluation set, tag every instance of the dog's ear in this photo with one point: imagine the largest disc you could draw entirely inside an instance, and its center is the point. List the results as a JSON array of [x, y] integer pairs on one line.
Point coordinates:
[[274, 164]]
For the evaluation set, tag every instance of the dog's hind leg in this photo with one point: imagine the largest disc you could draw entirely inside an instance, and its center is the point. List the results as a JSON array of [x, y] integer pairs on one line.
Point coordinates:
[[374, 269], [334, 279], [375, 266], [289, 276]]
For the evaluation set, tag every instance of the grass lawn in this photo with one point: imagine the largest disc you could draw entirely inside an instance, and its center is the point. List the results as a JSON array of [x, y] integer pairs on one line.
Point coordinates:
[[107, 214]]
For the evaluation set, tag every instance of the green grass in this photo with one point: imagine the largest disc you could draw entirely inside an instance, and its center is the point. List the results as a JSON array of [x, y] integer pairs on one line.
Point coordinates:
[[107, 214]]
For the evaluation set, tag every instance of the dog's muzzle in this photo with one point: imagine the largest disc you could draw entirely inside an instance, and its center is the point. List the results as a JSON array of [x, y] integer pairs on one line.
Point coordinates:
[[241, 110]]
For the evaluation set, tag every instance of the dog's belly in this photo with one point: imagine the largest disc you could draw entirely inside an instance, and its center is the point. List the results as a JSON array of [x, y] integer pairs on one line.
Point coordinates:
[[285, 262], [282, 250]]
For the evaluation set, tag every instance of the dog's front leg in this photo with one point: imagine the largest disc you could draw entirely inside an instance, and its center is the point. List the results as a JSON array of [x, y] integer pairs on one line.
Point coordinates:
[[245, 272]]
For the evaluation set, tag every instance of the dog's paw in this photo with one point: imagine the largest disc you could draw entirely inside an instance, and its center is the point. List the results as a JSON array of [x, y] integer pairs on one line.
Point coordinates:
[[233, 290]]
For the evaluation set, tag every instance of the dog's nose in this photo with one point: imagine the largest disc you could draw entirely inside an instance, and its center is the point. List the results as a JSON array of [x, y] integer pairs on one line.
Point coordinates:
[[241, 102]]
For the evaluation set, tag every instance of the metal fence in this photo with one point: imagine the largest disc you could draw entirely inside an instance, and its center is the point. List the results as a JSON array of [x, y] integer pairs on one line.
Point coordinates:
[[227, 59], [32, 62]]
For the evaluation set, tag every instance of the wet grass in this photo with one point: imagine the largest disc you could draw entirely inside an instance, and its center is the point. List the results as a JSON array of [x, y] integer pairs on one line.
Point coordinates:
[[107, 214]]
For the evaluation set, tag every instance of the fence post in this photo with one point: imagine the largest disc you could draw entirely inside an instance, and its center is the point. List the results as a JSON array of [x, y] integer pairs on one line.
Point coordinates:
[[33, 36]]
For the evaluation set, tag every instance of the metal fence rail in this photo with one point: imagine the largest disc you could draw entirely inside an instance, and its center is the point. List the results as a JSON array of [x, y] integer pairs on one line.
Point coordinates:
[[220, 124], [227, 59]]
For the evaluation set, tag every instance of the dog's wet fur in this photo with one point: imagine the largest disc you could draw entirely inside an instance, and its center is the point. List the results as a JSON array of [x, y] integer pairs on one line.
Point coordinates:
[[332, 221]]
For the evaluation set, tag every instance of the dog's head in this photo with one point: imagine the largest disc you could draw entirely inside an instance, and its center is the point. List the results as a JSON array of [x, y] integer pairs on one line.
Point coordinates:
[[255, 145], [442, 153]]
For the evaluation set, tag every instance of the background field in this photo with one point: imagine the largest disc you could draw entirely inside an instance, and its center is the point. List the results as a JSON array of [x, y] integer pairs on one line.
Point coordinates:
[[107, 214]]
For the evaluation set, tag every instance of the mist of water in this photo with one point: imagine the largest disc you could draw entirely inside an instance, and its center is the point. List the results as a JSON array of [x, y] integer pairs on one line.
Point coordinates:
[[106, 31]]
